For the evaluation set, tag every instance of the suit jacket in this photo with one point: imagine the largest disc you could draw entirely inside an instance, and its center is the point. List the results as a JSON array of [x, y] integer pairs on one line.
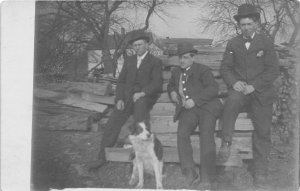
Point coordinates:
[[147, 78], [201, 87], [257, 66]]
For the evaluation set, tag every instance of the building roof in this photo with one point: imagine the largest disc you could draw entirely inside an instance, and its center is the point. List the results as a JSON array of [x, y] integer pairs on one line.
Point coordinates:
[[170, 44], [194, 41]]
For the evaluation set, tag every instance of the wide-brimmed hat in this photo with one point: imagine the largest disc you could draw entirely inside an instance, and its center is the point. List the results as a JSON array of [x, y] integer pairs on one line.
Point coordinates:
[[246, 10], [183, 48], [138, 35]]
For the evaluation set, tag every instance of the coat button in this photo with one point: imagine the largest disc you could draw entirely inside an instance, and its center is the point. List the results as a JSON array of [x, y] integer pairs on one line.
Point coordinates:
[[184, 89], [186, 97]]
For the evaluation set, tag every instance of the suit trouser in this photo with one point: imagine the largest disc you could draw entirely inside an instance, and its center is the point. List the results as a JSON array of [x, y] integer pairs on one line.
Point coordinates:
[[262, 122], [188, 121], [140, 111]]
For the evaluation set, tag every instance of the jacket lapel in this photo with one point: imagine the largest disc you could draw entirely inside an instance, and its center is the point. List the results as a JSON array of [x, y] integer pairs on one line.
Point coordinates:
[[256, 43], [241, 43], [144, 61]]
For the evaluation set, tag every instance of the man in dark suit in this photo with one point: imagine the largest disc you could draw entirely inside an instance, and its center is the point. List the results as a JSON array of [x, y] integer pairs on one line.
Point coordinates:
[[249, 68], [138, 88], [194, 90]]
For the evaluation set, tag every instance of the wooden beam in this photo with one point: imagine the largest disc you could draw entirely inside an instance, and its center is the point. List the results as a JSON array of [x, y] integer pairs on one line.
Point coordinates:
[[68, 99], [170, 154]]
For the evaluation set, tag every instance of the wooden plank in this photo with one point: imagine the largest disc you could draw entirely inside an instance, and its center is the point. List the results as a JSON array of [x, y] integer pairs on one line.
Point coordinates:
[[165, 124], [81, 103], [47, 94], [101, 88], [170, 154], [239, 144], [167, 109], [167, 74], [68, 99], [109, 100]]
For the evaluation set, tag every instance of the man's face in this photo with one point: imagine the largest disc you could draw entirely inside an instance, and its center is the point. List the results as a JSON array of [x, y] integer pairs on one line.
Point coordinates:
[[186, 60], [248, 26], [140, 47]]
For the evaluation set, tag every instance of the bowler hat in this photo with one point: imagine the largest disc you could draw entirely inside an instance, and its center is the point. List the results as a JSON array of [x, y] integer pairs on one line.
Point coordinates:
[[183, 48], [246, 10], [138, 35]]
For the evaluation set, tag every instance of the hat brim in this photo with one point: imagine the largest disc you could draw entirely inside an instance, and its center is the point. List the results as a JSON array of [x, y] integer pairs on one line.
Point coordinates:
[[238, 17], [140, 38], [187, 51]]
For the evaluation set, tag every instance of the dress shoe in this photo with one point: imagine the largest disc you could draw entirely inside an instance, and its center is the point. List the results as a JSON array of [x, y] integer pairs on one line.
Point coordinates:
[[191, 176], [95, 165], [224, 152]]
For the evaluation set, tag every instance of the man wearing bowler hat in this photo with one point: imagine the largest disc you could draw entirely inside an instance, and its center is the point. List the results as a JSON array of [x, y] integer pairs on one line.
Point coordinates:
[[194, 90], [249, 68], [138, 88]]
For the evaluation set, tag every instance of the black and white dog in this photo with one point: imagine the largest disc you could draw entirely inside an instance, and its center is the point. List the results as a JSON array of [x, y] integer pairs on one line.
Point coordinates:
[[147, 156]]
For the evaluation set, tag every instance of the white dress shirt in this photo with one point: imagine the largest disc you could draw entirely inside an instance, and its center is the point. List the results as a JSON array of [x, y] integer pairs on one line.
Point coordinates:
[[247, 44], [140, 59]]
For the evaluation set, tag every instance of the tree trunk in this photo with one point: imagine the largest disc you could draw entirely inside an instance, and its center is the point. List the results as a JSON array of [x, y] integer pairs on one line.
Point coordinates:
[[294, 35]]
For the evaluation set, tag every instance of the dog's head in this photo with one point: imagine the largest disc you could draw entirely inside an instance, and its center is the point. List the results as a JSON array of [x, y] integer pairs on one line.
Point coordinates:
[[141, 130]]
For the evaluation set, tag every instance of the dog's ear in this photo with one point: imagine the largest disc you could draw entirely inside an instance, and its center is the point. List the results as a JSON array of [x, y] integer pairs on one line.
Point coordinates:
[[132, 128], [148, 126]]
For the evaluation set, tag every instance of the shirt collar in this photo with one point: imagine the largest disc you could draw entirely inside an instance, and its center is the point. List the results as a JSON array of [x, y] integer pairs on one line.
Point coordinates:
[[252, 36], [143, 56]]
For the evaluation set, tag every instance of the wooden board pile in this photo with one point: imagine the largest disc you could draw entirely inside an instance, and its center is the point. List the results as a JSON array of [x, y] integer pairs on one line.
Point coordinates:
[[162, 123], [98, 99]]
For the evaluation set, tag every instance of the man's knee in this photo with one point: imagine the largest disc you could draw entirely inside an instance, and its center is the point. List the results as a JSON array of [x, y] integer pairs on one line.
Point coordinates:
[[234, 99], [185, 127]]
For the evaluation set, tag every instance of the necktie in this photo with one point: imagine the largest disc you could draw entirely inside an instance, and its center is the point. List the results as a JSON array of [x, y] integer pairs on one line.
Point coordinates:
[[247, 40]]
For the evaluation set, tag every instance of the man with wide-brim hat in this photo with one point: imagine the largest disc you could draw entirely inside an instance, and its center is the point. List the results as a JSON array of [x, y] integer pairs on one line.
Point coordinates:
[[249, 68], [139, 35], [194, 90], [138, 88]]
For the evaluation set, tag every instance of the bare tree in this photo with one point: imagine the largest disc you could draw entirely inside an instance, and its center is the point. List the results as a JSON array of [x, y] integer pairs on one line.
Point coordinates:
[[80, 21], [278, 17]]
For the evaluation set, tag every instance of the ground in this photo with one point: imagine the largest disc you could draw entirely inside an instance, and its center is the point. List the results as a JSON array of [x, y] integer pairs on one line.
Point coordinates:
[[58, 156]]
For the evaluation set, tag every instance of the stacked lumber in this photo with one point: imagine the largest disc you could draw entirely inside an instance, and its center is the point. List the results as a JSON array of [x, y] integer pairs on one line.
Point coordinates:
[[165, 128], [94, 98]]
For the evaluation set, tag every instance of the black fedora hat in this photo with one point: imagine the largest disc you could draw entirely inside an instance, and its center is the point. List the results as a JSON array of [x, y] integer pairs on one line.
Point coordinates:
[[139, 35], [183, 48], [246, 10]]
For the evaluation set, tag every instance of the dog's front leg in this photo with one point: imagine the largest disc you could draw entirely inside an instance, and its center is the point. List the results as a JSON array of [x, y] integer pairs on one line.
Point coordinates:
[[134, 174], [141, 174], [157, 165]]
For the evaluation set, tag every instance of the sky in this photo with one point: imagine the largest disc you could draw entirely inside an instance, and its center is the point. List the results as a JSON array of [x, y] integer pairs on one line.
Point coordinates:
[[181, 23]]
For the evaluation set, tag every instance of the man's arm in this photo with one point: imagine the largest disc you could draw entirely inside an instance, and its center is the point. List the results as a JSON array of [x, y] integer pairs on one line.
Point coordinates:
[[171, 88], [156, 83], [210, 90], [227, 66], [271, 68]]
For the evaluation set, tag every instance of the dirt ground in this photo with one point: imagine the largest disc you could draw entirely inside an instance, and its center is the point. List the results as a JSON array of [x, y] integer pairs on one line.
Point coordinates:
[[58, 156]]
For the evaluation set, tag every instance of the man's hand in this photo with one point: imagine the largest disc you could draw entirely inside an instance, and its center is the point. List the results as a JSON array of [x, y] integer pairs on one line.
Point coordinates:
[[138, 95], [120, 105], [248, 89], [174, 97], [239, 86], [189, 104]]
